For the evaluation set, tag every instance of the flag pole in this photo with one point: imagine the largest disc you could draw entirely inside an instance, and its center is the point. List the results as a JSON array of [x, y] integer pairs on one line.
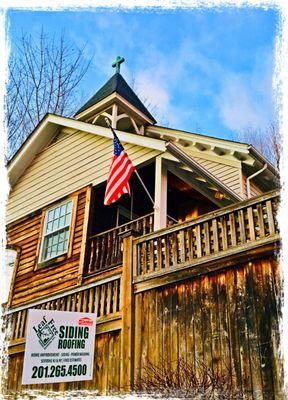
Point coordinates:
[[144, 187], [136, 172]]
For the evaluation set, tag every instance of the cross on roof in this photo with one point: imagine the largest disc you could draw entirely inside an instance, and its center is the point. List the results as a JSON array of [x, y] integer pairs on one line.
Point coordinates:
[[119, 60]]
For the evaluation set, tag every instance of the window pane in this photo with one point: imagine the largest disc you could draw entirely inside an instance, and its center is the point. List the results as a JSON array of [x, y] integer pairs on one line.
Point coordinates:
[[55, 238], [57, 213], [50, 215], [49, 240], [60, 247], [62, 221], [63, 210], [55, 225], [67, 219], [69, 207], [49, 227], [66, 245], [54, 250], [62, 235]]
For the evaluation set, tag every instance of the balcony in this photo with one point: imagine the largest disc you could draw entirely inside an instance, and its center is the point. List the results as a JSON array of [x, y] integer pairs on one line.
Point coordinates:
[[226, 234]]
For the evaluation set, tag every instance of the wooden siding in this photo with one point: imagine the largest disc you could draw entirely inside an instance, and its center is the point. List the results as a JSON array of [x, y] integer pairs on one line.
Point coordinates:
[[229, 175], [31, 283], [65, 166], [227, 320]]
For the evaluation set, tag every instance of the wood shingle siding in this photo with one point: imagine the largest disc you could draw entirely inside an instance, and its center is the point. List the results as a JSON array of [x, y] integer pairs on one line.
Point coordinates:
[[66, 166], [30, 282]]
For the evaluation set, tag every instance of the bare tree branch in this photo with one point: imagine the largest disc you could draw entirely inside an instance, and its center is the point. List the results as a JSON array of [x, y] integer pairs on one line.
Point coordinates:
[[267, 141], [44, 75]]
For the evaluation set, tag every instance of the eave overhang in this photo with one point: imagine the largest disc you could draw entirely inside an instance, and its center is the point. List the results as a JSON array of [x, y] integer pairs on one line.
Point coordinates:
[[219, 150], [199, 171]]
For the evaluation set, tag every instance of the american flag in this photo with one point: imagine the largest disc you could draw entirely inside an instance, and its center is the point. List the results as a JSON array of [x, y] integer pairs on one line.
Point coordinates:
[[119, 174]]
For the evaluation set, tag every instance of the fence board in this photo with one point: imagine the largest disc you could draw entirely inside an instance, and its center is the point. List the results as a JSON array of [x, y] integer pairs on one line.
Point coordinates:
[[225, 320]]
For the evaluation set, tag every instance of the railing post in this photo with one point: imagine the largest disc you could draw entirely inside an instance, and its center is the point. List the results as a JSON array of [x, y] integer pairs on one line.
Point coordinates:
[[127, 309]]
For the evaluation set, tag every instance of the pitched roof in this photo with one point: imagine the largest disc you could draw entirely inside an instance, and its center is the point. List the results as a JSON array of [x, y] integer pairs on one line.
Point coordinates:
[[117, 84]]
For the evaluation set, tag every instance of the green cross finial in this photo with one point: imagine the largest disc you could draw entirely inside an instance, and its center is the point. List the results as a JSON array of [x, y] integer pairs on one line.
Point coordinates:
[[119, 60]]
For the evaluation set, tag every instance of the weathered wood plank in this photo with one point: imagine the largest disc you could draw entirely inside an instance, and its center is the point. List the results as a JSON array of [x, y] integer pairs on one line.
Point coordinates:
[[242, 332]]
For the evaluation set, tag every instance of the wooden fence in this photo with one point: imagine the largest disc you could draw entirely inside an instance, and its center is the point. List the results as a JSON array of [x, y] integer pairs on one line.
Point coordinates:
[[100, 298], [204, 291]]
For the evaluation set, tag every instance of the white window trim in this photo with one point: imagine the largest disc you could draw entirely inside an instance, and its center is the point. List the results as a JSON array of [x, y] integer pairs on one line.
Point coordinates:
[[41, 260], [8, 284]]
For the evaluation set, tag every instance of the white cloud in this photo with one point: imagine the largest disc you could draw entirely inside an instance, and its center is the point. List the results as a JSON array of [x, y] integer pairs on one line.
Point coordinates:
[[246, 100], [153, 92], [238, 105]]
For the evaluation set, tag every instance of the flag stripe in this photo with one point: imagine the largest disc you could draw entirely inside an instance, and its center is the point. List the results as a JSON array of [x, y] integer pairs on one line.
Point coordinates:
[[119, 174], [119, 183], [116, 172]]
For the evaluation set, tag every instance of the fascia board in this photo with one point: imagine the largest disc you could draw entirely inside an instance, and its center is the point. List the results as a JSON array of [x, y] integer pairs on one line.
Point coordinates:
[[206, 140], [156, 144], [225, 160], [96, 106], [263, 160], [132, 108]]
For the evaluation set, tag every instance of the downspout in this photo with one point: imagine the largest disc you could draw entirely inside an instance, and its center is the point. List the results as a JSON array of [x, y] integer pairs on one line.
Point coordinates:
[[253, 176]]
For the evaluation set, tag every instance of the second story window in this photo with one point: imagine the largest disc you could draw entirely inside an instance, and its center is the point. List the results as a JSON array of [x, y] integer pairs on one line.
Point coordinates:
[[56, 231]]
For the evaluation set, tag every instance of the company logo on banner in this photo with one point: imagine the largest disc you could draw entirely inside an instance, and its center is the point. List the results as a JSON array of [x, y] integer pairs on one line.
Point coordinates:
[[59, 347], [46, 332]]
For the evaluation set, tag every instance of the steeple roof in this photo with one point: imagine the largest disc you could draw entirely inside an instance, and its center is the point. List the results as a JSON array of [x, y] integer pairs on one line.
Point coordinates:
[[117, 84]]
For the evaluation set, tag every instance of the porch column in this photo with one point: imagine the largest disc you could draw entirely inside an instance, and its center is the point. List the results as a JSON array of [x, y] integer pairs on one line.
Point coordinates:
[[160, 208], [127, 309]]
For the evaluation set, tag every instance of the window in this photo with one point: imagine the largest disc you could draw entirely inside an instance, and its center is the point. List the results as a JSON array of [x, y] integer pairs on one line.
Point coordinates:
[[56, 231], [10, 258]]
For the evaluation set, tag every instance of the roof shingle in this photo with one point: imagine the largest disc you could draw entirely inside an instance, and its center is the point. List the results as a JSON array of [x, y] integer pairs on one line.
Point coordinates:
[[117, 84]]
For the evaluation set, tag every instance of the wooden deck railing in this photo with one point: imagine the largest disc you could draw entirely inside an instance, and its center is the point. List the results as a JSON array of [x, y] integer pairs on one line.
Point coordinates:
[[104, 250], [213, 234], [103, 299]]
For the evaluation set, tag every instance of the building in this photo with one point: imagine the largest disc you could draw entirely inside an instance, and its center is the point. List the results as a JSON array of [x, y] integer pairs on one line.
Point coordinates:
[[193, 276]]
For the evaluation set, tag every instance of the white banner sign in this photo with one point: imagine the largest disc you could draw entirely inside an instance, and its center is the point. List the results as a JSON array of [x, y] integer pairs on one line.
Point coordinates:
[[59, 347]]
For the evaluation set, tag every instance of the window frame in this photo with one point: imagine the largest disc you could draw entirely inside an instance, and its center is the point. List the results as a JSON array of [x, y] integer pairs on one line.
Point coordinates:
[[67, 254], [15, 267]]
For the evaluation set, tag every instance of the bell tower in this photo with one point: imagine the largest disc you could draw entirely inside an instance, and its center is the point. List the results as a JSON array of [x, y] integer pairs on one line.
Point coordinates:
[[119, 103]]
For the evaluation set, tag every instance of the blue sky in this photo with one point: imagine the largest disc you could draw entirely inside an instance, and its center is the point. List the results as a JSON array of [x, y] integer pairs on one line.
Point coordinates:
[[203, 71]]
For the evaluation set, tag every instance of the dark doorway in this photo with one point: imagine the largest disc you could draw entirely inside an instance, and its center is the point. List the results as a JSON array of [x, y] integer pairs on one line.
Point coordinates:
[[128, 208], [185, 202]]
